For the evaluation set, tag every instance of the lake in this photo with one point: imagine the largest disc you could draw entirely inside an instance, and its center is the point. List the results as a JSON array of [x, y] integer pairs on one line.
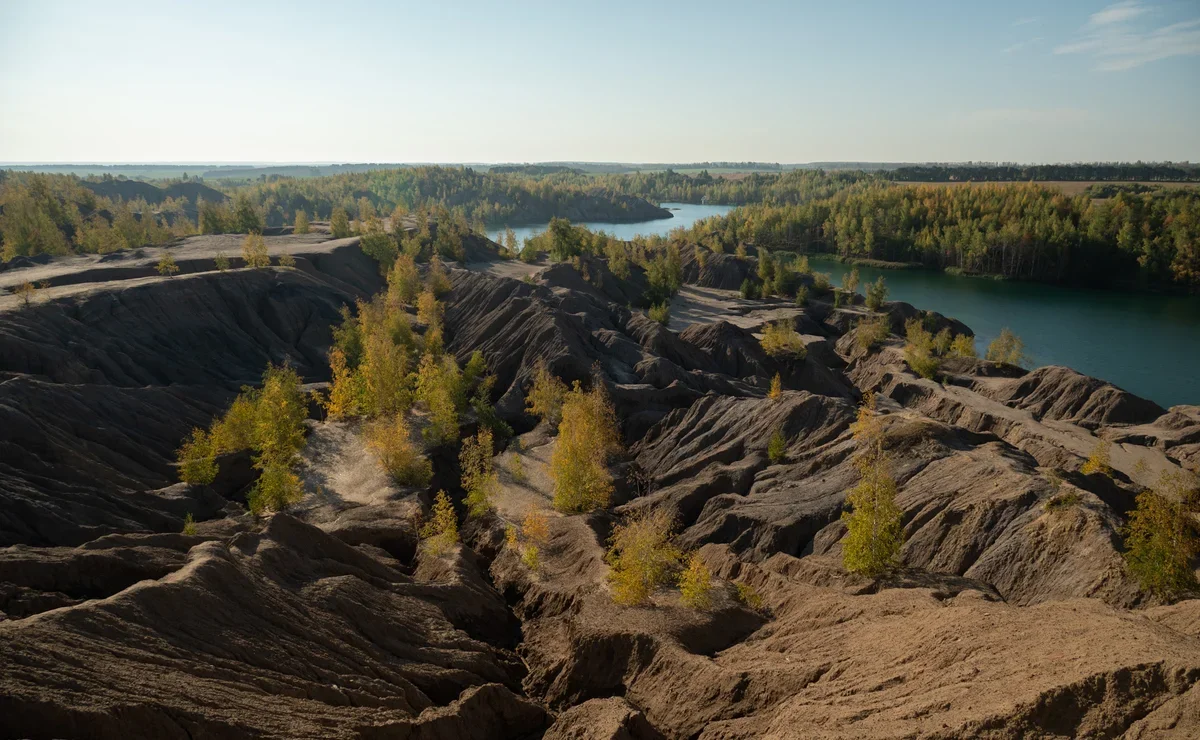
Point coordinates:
[[1146, 344], [685, 214]]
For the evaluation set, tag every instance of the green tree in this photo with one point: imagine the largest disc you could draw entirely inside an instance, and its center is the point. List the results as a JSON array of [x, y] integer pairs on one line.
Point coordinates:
[[587, 436], [877, 293], [440, 534], [1007, 348], [874, 533], [695, 583], [254, 252], [302, 225], [545, 397], [479, 477], [1160, 538], [339, 223], [246, 218]]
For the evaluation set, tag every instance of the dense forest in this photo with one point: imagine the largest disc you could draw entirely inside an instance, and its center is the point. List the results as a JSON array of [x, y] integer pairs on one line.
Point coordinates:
[[1105, 171], [1022, 231], [60, 214], [493, 199]]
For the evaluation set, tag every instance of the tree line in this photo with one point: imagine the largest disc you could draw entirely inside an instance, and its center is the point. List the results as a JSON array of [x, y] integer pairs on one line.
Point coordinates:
[[1106, 171], [1021, 231]]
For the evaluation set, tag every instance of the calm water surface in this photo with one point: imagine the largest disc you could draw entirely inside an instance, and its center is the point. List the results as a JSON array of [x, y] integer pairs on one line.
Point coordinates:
[[685, 214], [1146, 344]]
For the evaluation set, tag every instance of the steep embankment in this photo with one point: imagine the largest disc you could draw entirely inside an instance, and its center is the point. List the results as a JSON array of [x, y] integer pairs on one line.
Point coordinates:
[[104, 377]]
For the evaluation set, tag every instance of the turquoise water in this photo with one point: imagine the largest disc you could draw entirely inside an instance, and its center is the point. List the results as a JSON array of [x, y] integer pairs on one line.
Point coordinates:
[[1146, 344], [685, 214]]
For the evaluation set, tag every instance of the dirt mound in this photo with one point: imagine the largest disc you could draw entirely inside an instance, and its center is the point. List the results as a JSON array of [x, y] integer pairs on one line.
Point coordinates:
[[720, 270], [283, 633], [1061, 394]]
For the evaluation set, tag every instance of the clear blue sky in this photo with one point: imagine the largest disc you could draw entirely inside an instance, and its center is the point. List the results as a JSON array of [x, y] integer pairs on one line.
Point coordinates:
[[128, 81]]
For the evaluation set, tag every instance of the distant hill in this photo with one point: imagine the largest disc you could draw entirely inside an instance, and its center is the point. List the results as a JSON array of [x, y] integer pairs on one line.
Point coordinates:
[[132, 189]]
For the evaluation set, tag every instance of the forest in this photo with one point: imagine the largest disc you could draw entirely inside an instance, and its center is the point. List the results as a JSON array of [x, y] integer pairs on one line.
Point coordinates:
[[1022, 231], [1105, 171]]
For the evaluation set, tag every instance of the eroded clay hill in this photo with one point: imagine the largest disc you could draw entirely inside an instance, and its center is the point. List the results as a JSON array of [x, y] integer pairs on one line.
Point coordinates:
[[1013, 615]]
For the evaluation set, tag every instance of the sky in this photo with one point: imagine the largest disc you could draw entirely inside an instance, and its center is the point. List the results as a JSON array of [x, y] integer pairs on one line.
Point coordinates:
[[613, 81]]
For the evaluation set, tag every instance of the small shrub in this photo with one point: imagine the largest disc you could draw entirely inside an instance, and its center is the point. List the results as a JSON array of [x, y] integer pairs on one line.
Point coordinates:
[[822, 283], [661, 313], [872, 332], [197, 459], [802, 296], [641, 556], [301, 224], [189, 525], [166, 265], [776, 388], [777, 447], [877, 293], [516, 468], [254, 252], [391, 441], [919, 350], [287, 260], [25, 291], [749, 596], [1063, 501], [535, 531], [779, 339], [1007, 348], [221, 261], [440, 534], [695, 584], [545, 398], [1098, 461], [749, 289]]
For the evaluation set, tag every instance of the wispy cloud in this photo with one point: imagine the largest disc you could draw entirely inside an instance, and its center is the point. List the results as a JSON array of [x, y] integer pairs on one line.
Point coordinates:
[[1117, 44], [1119, 13], [1025, 115], [1021, 45]]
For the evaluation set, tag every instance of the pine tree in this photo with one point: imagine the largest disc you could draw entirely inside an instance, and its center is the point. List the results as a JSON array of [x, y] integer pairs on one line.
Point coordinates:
[[874, 533], [776, 388], [302, 225]]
